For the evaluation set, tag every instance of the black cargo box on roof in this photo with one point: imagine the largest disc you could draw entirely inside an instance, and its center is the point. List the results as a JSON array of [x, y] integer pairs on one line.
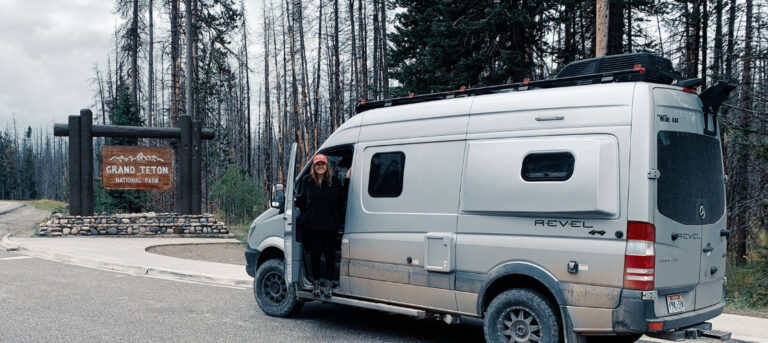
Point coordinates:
[[657, 68]]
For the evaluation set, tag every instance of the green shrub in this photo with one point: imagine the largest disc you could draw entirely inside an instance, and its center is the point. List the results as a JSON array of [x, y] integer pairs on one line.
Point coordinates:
[[748, 282], [238, 196]]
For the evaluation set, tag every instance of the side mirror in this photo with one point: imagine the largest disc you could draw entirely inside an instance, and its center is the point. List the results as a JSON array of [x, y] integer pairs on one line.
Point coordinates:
[[277, 197]]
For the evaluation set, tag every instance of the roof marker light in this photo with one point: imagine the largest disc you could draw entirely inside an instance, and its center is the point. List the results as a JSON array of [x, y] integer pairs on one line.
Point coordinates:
[[689, 90]]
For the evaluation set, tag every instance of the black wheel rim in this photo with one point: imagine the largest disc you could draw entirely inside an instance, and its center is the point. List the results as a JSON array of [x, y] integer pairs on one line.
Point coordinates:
[[519, 325], [274, 288]]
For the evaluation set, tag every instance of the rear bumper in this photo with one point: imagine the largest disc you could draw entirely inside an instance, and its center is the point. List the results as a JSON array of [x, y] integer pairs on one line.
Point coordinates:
[[251, 257], [634, 314]]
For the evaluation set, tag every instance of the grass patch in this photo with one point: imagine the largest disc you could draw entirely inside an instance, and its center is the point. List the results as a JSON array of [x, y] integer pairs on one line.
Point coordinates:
[[240, 231], [747, 290], [48, 205]]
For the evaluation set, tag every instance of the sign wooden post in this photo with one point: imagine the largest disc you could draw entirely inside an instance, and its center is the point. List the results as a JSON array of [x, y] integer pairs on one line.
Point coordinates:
[[80, 130], [75, 206], [86, 160]]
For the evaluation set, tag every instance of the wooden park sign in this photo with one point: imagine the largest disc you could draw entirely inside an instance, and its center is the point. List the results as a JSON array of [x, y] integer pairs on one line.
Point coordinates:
[[135, 167], [81, 131]]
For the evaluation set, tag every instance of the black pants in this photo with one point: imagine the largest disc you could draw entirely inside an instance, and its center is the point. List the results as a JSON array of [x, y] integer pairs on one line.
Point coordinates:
[[321, 243]]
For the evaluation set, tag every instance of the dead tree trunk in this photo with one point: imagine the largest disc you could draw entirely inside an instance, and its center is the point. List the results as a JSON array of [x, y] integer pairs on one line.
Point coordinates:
[[317, 122], [134, 53], [150, 70], [383, 50], [175, 64], [741, 173], [267, 139], [601, 27], [363, 34]]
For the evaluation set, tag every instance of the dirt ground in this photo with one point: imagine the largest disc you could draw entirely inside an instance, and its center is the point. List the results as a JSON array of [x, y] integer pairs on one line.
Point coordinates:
[[21, 220], [732, 310], [231, 253]]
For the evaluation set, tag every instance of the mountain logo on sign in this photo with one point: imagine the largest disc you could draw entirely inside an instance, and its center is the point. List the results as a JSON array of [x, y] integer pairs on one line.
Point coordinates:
[[140, 157]]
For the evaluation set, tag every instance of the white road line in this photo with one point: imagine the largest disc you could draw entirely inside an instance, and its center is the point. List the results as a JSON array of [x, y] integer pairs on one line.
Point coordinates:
[[15, 258]]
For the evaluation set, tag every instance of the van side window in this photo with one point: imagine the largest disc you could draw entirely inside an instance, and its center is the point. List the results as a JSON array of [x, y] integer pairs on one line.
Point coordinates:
[[386, 177], [549, 166]]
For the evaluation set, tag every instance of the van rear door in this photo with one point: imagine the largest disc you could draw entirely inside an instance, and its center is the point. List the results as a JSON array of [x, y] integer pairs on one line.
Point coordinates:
[[690, 205]]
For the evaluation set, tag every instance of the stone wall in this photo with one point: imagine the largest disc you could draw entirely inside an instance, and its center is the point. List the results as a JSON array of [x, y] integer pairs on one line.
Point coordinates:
[[138, 224]]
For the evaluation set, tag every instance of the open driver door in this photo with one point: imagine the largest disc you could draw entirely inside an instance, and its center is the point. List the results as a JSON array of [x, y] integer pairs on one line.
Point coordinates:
[[291, 247]]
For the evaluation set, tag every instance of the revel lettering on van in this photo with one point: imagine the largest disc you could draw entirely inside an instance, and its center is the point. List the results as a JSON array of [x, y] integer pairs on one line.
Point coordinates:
[[562, 223], [681, 235]]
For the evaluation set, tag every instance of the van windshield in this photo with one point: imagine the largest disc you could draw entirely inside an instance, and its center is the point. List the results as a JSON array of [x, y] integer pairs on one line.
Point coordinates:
[[691, 177]]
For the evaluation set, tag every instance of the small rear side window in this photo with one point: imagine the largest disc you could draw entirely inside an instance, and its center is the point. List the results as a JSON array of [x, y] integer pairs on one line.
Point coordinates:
[[548, 166], [386, 177]]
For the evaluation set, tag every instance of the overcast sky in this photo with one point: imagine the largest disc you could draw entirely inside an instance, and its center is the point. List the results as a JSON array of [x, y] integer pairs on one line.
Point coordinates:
[[47, 52]]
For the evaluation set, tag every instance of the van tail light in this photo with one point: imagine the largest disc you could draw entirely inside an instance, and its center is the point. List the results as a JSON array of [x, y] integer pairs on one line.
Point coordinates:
[[640, 256]]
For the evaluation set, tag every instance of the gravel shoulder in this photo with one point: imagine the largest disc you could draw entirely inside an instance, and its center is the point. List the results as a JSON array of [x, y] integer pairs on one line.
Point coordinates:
[[742, 312], [231, 253], [21, 221]]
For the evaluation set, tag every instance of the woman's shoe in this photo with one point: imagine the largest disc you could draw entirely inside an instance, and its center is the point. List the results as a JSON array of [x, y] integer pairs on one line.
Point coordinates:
[[328, 289], [316, 288]]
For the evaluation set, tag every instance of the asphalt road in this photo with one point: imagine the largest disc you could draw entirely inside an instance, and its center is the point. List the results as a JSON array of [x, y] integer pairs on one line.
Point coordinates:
[[45, 301]]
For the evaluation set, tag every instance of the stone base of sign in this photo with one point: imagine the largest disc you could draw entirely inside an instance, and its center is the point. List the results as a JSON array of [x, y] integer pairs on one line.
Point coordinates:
[[133, 224]]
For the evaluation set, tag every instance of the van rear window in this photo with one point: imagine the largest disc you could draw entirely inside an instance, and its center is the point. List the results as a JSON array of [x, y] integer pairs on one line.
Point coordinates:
[[690, 189], [548, 166], [386, 177]]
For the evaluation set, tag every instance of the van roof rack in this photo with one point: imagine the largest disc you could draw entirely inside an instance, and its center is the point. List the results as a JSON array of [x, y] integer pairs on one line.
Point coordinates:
[[615, 68]]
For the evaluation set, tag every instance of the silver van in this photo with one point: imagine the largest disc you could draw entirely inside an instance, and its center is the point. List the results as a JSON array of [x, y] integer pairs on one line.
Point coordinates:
[[591, 204]]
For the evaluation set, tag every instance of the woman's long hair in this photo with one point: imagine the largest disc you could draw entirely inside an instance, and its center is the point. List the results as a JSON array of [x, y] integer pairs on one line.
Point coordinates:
[[327, 179]]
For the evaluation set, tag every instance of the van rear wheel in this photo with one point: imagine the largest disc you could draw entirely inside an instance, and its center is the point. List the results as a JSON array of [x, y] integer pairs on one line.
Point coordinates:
[[274, 296], [521, 316]]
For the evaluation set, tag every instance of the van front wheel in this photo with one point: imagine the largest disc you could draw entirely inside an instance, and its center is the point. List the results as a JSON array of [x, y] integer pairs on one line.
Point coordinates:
[[521, 316], [274, 296]]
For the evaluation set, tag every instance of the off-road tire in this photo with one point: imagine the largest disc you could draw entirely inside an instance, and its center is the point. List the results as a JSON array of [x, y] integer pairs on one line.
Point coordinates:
[[521, 315], [273, 295]]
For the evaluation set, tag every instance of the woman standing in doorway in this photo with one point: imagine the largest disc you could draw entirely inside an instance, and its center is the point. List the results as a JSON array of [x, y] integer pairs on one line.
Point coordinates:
[[321, 199]]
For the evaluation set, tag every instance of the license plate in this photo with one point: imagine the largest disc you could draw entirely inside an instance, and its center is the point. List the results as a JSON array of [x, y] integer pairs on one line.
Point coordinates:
[[675, 303]]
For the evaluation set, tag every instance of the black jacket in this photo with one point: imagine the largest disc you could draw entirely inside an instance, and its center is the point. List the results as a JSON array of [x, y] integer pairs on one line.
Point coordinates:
[[321, 207]]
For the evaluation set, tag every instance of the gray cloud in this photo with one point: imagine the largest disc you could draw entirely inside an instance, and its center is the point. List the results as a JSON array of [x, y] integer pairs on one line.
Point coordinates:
[[47, 52]]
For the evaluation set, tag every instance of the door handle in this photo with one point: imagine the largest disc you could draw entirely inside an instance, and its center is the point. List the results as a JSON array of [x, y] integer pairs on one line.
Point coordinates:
[[725, 233], [712, 270], [708, 248], [551, 117]]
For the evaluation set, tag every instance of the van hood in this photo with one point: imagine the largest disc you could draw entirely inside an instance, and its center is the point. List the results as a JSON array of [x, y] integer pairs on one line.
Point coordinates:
[[269, 213]]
